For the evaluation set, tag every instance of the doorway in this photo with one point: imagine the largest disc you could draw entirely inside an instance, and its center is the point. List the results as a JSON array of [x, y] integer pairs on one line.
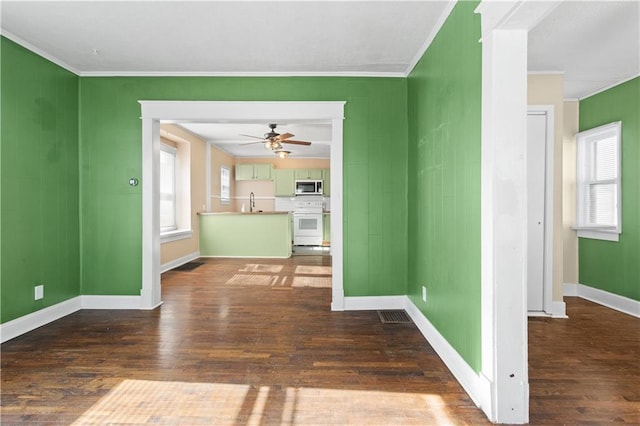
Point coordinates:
[[154, 112], [539, 210]]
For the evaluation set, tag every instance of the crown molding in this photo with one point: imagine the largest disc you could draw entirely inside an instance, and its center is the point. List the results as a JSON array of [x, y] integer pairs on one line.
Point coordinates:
[[434, 32], [239, 74], [610, 86], [545, 72], [14, 38]]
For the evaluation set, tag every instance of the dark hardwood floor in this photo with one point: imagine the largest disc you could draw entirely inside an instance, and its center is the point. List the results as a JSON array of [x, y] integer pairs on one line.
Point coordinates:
[[254, 342], [585, 369]]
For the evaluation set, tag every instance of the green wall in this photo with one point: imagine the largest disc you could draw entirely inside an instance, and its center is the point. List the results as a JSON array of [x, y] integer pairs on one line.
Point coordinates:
[[444, 106], [39, 182], [607, 265], [374, 170]]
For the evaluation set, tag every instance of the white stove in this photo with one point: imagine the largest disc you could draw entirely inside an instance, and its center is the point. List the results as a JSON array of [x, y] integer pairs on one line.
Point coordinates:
[[307, 221], [304, 205]]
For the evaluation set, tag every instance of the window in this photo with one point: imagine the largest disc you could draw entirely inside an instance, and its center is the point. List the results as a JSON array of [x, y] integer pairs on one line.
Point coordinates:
[[167, 188], [225, 185], [598, 209]]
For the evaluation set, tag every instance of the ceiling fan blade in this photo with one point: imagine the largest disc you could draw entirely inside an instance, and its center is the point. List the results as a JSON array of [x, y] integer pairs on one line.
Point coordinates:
[[255, 137], [251, 143], [297, 142], [286, 136]]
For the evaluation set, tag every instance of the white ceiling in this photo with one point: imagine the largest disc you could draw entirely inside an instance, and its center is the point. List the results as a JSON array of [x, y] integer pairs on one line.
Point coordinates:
[[227, 36], [594, 43]]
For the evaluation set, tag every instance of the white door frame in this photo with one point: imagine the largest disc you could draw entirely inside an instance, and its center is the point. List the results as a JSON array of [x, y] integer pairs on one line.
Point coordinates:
[[549, 112], [153, 112]]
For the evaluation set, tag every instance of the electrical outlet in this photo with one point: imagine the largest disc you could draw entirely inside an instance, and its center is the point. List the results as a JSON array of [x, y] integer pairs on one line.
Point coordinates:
[[424, 293], [38, 292]]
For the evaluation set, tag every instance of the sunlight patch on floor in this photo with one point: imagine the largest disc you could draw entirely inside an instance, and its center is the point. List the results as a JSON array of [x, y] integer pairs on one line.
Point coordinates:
[[257, 267], [257, 280], [313, 270], [319, 282], [156, 402]]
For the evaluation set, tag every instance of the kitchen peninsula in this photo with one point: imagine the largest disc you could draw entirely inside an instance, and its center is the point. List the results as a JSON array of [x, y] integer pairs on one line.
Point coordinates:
[[263, 234]]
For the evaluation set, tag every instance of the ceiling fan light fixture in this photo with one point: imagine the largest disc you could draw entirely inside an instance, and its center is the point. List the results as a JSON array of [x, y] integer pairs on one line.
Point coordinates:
[[273, 144], [282, 153]]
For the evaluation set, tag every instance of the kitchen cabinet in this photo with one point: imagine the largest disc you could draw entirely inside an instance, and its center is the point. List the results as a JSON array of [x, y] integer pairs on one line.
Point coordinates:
[[308, 173], [284, 183], [245, 234], [326, 228], [326, 184], [254, 171]]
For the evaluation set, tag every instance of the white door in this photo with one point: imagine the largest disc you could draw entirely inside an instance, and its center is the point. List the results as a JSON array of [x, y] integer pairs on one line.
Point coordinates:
[[536, 171]]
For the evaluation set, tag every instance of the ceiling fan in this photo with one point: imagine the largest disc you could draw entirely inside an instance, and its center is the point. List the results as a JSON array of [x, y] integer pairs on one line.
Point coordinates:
[[273, 140]]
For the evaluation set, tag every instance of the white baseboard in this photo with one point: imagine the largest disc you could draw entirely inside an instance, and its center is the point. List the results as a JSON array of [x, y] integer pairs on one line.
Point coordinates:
[[570, 289], [605, 298], [247, 257], [179, 262], [111, 302], [29, 322], [26, 323], [559, 310], [476, 385], [372, 303]]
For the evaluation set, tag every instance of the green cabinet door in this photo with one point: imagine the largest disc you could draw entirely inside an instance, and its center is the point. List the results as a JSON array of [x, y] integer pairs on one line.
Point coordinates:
[[262, 171], [326, 181], [326, 228], [254, 171], [284, 183], [308, 173], [244, 171]]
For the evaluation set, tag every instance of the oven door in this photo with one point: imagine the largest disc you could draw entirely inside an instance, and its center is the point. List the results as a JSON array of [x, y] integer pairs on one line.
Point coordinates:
[[307, 229]]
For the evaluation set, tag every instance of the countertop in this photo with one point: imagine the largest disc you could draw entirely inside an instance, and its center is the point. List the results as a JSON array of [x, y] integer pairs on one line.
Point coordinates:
[[239, 213]]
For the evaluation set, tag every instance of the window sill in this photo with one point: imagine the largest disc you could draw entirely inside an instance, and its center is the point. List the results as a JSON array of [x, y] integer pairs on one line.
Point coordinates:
[[178, 234], [606, 234]]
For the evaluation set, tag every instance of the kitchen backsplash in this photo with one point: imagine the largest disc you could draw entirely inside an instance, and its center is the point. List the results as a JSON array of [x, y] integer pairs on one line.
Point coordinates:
[[287, 204]]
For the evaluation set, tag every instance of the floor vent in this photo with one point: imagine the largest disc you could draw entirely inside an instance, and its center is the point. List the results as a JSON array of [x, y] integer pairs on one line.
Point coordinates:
[[394, 317], [188, 266]]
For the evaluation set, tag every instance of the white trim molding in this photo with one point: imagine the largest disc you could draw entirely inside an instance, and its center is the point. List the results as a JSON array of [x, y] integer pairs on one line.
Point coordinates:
[[18, 40], [558, 310], [570, 289], [29, 322], [476, 385], [505, 26], [179, 261], [175, 235], [246, 257], [370, 303], [596, 234], [610, 300], [152, 112], [434, 32], [111, 302], [549, 112]]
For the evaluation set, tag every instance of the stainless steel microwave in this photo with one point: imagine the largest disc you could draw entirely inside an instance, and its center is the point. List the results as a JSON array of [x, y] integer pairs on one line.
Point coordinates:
[[308, 187]]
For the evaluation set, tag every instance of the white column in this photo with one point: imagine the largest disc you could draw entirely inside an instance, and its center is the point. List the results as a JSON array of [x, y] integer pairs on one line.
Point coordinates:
[[505, 25], [504, 193]]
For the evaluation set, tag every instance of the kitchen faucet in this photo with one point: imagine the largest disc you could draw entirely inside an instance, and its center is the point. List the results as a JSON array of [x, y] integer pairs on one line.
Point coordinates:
[[252, 202]]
